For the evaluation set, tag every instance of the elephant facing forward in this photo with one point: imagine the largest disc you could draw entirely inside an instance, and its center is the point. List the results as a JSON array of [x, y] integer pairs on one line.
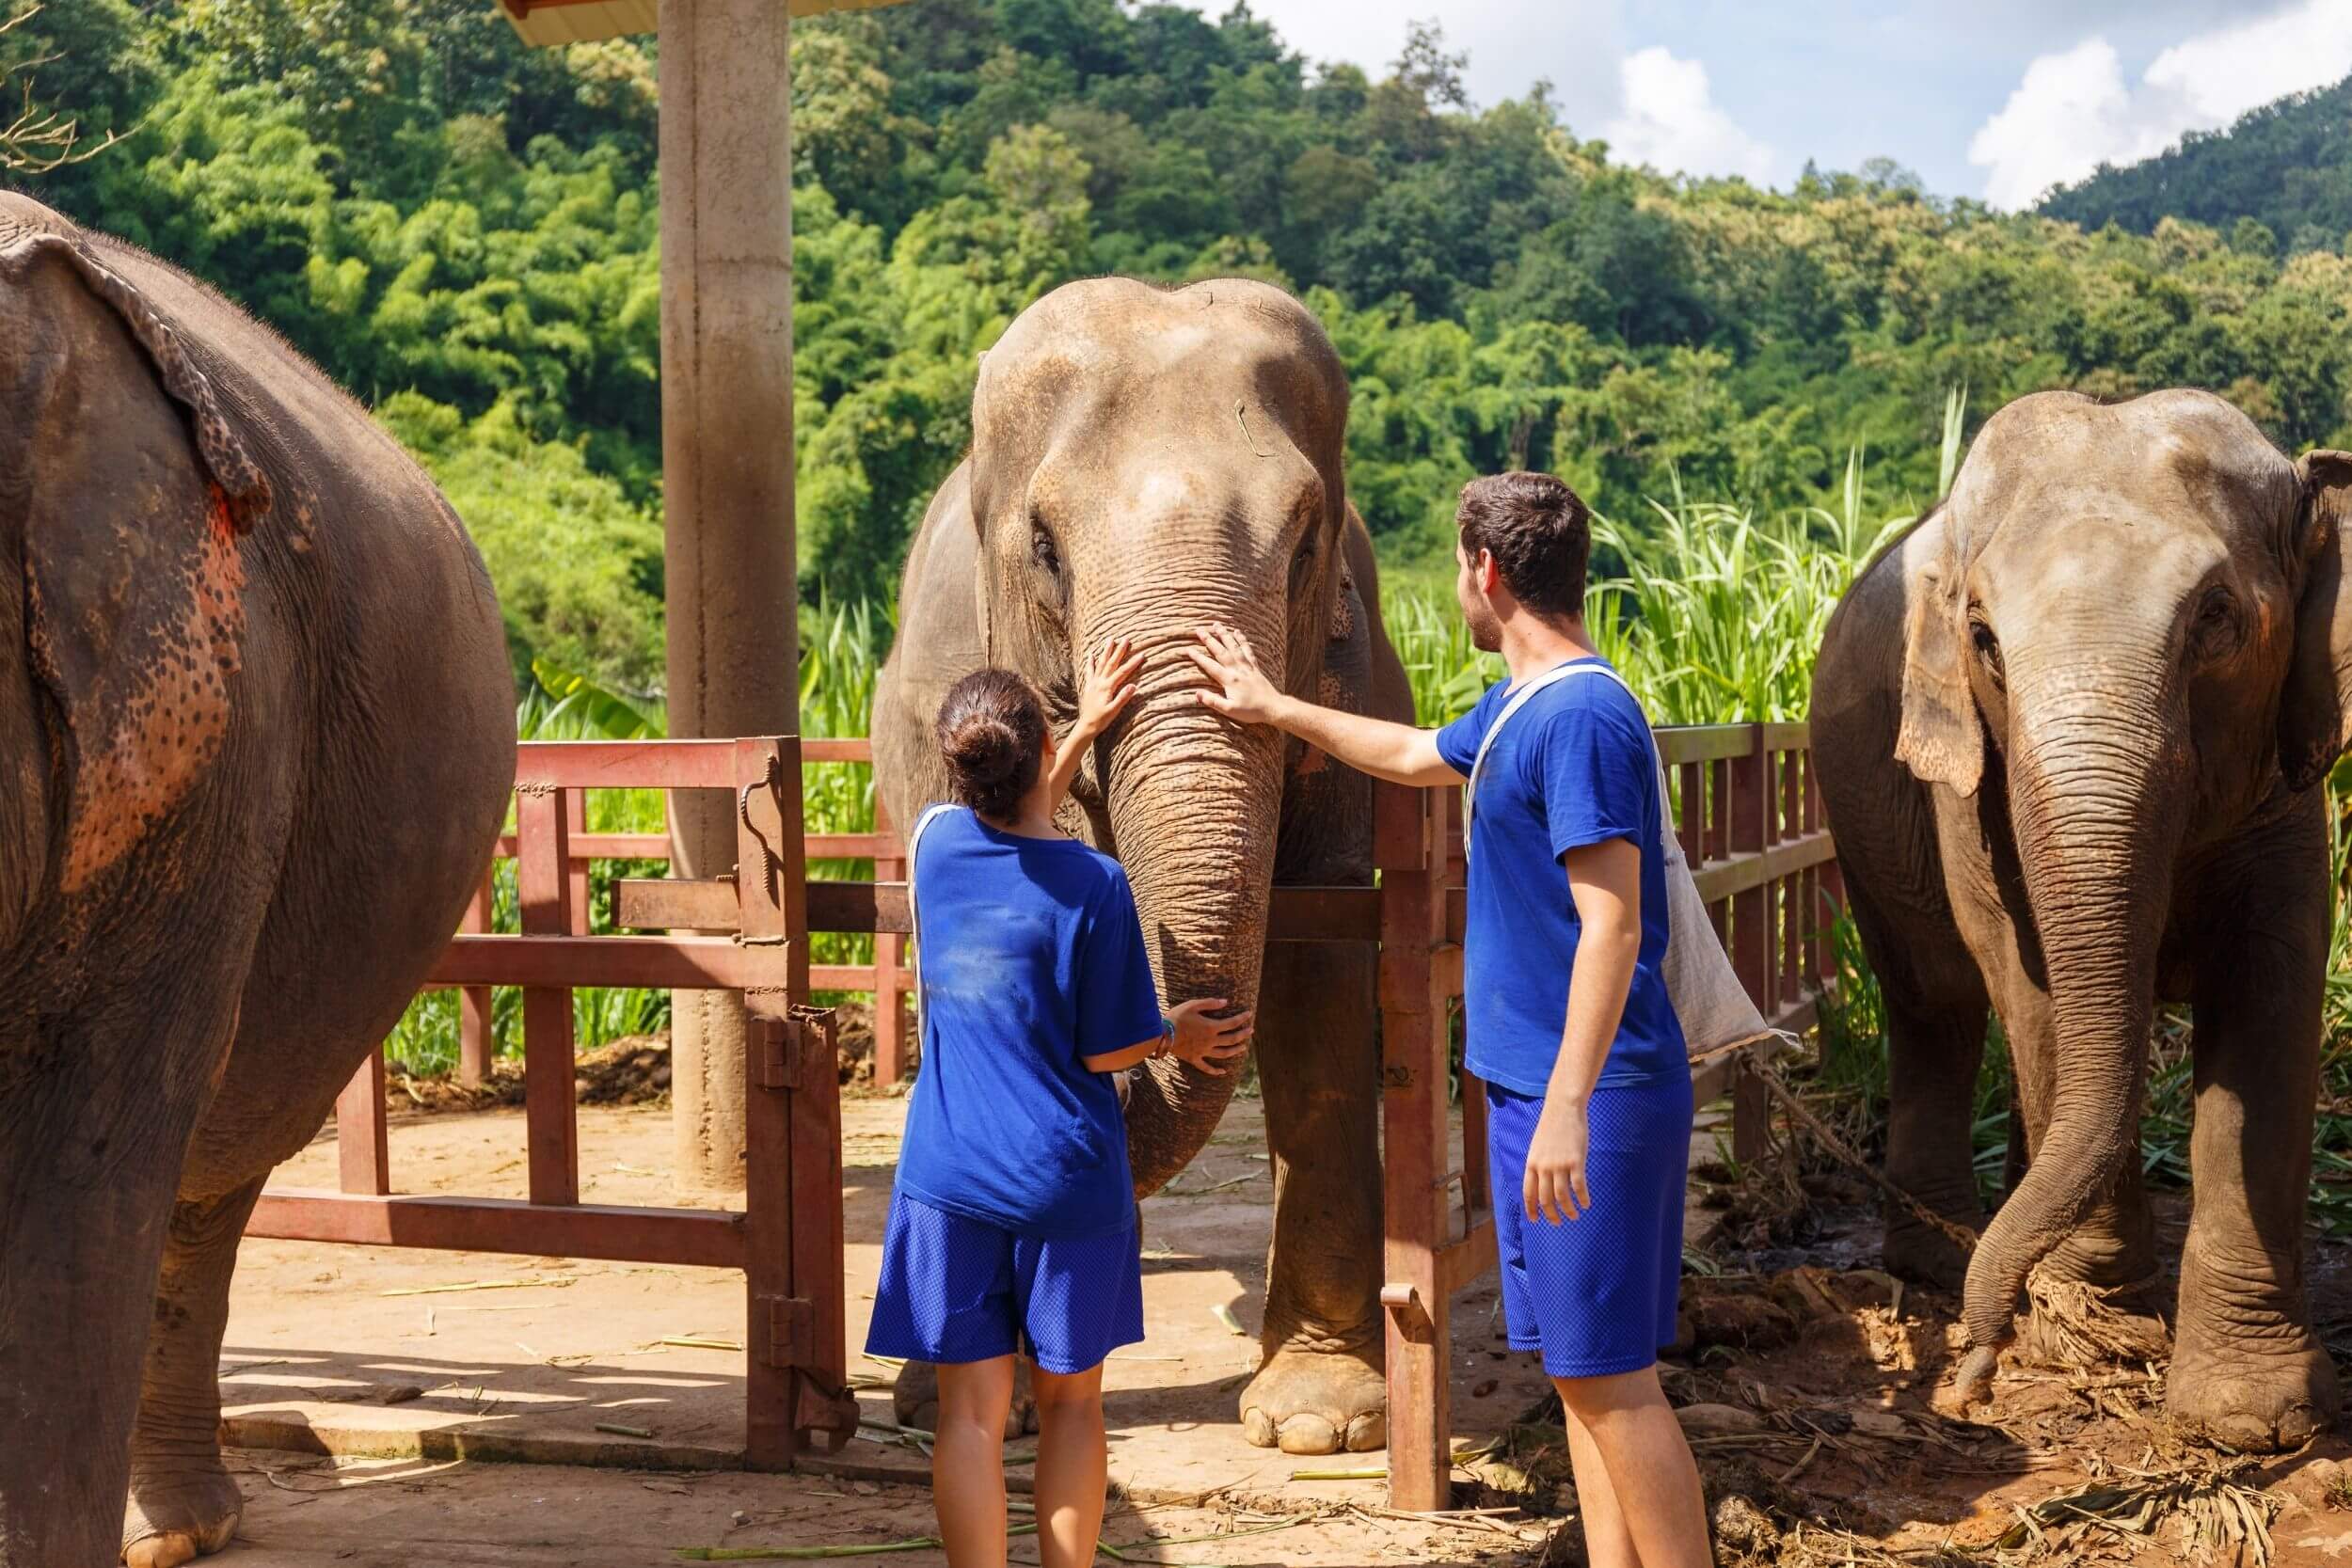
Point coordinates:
[[2069, 732], [1145, 461]]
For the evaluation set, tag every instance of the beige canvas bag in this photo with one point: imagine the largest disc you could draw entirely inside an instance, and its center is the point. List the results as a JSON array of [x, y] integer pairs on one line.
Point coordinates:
[[1713, 1007]]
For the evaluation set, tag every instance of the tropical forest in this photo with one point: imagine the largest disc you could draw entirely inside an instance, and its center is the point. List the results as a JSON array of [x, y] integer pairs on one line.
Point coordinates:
[[1754, 389]]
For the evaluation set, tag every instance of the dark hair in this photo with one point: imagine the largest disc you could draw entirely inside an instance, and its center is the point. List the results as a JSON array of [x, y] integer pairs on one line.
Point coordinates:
[[992, 732], [1539, 532]]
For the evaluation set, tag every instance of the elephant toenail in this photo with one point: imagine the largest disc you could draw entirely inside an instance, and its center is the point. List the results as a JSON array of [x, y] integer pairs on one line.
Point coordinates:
[[1309, 1434], [1258, 1427]]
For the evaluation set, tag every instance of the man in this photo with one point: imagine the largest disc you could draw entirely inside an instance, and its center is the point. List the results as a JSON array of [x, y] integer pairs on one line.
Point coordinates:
[[1587, 1077]]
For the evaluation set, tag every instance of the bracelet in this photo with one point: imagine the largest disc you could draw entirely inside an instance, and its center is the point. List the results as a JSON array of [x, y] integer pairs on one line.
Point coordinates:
[[1168, 1038]]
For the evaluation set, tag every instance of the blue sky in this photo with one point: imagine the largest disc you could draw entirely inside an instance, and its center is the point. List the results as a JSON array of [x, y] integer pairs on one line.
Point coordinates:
[[1993, 99]]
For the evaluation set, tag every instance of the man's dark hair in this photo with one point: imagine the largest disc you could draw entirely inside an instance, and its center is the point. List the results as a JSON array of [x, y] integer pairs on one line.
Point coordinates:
[[1539, 532]]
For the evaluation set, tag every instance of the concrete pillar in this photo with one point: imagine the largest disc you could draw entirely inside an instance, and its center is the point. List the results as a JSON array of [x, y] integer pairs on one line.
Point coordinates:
[[726, 465]]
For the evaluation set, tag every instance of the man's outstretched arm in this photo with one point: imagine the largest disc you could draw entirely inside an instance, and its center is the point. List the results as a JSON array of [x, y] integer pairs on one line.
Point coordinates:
[[1241, 692]]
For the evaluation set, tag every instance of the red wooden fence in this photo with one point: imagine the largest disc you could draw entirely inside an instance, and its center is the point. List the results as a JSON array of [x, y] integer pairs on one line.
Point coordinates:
[[787, 1239], [887, 978], [1749, 817]]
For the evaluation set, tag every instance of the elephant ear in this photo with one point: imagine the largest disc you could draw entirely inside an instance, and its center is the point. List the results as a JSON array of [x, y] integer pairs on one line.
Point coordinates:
[[2315, 711], [1346, 607], [133, 572], [244, 486], [1941, 739]]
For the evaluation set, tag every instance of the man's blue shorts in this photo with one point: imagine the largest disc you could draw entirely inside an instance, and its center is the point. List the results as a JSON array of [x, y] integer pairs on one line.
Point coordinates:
[[1596, 1294], [954, 1288]]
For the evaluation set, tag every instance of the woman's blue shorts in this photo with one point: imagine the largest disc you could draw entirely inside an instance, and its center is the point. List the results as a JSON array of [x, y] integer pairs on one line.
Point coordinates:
[[954, 1288], [1596, 1294]]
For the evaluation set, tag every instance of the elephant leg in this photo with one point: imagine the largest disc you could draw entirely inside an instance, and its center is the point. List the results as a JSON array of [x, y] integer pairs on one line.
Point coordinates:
[[1935, 1017], [1320, 1387], [183, 1502], [99, 1131], [2247, 1372]]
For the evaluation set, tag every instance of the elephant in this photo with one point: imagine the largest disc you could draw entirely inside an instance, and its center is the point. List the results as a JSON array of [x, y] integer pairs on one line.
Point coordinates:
[[258, 731], [2067, 731], [1143, 460]]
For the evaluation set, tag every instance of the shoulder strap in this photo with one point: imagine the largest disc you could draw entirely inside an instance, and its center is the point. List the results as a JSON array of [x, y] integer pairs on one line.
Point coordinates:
[[914, 919], [1519, 698]]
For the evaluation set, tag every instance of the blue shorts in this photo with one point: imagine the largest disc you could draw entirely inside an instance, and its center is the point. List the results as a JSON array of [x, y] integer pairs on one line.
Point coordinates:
[[955, 1288], [1596, 1294]]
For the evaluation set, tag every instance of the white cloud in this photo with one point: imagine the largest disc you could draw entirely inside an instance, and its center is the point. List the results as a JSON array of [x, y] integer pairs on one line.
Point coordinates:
[[2074, 110], [1670, 120]]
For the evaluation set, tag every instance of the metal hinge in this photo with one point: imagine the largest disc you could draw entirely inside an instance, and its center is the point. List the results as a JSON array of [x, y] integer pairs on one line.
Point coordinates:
[[791, 1331], [789, 1048]]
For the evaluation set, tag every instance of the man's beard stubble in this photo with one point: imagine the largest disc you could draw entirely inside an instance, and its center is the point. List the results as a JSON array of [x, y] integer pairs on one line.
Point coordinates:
[[1486, 628]]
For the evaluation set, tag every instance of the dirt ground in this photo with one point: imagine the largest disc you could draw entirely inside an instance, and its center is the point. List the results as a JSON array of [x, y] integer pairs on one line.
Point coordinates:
[[378, 1389], [378, 1392]]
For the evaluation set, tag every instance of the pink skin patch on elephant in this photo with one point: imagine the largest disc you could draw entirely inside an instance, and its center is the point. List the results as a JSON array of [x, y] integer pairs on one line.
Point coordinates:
[[167, 727]]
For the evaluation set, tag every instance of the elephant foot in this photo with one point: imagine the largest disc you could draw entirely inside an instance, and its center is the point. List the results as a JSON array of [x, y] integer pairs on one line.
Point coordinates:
[[1308, 1401], [168, 1523], [2077, 1324], [1917, 1252], [2266, 1398], [914, 1399]]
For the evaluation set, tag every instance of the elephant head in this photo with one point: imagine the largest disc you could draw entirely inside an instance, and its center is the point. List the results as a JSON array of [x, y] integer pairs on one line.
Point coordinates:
[[1145, 461], [125, 485], [2131, 626]]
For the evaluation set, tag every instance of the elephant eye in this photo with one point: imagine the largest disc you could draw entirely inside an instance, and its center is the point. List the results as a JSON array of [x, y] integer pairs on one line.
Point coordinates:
[[1042, 550], [1305, 556], [1988, 648], [2217, 631]]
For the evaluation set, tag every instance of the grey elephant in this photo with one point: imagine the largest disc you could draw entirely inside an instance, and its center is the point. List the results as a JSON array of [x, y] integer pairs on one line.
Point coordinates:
[[1144, 461], [2069, 732], [258, 728]]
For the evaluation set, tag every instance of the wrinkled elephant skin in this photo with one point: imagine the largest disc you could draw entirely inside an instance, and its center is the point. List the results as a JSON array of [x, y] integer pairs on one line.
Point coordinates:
[[256, 739], [2070, 733], [1144, 461]]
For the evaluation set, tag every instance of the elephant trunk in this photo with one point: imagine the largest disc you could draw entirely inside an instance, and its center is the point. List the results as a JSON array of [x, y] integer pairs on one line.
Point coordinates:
[[2096, 787], [1193, 802]]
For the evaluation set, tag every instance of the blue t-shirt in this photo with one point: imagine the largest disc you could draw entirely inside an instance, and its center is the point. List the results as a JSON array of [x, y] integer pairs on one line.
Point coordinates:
[[1572, 768], [1031, 958]]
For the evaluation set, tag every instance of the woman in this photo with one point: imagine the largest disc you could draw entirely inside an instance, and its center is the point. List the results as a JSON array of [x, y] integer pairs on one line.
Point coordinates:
[[1013, 1223]]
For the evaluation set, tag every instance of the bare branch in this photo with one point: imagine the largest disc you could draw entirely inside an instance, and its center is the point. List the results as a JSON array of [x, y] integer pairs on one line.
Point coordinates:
[[39, 139]]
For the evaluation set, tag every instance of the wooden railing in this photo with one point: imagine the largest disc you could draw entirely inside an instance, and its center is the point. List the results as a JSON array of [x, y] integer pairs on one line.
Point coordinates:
[[886, 977], [1749, 812], [787, 1239]]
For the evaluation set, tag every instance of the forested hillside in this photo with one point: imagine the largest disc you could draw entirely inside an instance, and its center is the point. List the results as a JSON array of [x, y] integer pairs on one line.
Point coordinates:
[[464, 231], [2287, 165]]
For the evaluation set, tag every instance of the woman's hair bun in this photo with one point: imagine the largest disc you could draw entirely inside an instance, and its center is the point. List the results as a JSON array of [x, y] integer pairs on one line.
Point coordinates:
[[991, 734]]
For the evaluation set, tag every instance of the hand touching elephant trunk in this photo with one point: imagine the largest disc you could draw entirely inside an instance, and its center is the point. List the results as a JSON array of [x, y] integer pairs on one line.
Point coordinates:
[[1145, 460], [1189, 797], [2096, 794]]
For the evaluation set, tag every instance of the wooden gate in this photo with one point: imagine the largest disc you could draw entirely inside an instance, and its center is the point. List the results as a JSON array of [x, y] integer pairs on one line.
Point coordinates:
[[787, 1239]]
